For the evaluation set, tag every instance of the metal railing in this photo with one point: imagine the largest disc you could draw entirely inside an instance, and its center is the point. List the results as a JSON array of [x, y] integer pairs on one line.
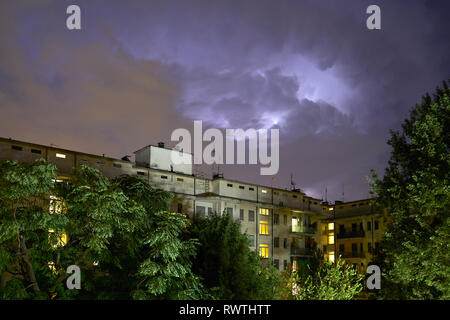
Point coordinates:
[[343, 234], [303, 229]]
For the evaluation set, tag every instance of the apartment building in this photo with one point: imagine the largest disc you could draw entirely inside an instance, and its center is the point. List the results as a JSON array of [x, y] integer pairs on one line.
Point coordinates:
[[283, 226], [353, 231]]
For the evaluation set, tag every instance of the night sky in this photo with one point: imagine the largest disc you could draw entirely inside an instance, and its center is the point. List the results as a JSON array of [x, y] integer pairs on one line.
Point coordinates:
[[140, 69]]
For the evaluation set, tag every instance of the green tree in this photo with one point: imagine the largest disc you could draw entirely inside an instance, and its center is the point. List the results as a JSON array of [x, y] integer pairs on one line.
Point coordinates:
[[227, 265], [323, 280], [415, 190], [118, 233]]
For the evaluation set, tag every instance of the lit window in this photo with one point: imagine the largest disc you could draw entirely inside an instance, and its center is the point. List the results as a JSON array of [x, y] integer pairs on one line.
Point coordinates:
[[264, 211], [60, 155], [331, 226], [52, 267], [331, 238], [61, 239], [56, 204], [264, 250], [330, 209], [263, 227], [331, 256], [263, 190]]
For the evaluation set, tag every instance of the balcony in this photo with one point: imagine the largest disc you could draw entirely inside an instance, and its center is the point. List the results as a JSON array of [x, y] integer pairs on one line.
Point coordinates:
[[301, 251], [303, 229], [352, 254], [344, 234]]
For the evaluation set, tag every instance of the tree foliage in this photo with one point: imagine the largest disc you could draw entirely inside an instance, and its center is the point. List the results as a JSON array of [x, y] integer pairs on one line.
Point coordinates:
[[227, 265], [415, 189], [119, 233], [323, 280]]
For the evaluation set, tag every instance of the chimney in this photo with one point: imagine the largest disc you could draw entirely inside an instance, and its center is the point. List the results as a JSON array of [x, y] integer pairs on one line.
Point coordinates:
[[160, 144]]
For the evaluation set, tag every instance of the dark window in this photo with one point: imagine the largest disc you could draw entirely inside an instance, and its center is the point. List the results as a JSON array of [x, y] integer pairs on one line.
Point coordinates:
[[83, 160], [230, 211], [294, 196], [251, 189], [341, 248], [252, 240], [285, 264], [360, 226], [276, 262], [17, 148], [377, 247], [180, 179], [210, 212], [376, 224], [361, 247], [241, 187], [180, 208], [276, 242], [353, 227], [251, 215], [241, 214], [229, 185], [369, 226], [99, 163], [285, 219], [369, 247], [36, 151], [200, 211], [341, 229], [354, 247], [285, 243], [117, 165], [163, 177], [276, 218], [324, 249], [141, 173]]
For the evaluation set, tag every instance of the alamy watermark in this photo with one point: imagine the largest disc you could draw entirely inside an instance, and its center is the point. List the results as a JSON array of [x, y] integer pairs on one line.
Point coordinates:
[[214, 152]]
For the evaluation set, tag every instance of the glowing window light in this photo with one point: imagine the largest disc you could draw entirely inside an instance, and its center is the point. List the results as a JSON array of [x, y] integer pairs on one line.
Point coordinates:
[[264, 250], [331, 226], [61, 155], [264, 227], [331, 256]]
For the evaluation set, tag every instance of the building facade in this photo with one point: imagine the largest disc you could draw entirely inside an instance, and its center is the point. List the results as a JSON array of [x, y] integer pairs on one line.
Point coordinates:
[[283, 226]]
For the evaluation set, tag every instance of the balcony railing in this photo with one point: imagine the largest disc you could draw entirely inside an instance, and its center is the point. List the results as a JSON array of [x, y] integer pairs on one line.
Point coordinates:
[[352, 254], [343, 234], [303, 229], [301, 251]]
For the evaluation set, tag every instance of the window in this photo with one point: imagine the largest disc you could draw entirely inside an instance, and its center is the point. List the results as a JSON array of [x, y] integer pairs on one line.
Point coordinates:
[[263, 190], [180, 179], [284, 264], [251, 189], [241, 214], [377, 247], [331, 238], [61, 155], [17, 148], [264, 211], [229, 185], [264, 227], [264, 250], [276, 242], [331, 256], [99, 163], [369, 226], [200, 211], [354, 249], [276, 263], [361, 227], [331, 226], [241, 187], [83, 160], [229, 211], [251, 215], [276, 218], [361, 247], [180, 208], [210, 212], [252, 240], [56, 205], [164, 177], [36, 151], [117, 165], [353, 227], [285, 243], [369, 247], [341, 248], [141, 173], [285, 219], [294, 196], [376, 224]]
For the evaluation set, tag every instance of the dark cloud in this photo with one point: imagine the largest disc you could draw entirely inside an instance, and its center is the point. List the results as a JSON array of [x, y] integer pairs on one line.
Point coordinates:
[[139, 69]]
